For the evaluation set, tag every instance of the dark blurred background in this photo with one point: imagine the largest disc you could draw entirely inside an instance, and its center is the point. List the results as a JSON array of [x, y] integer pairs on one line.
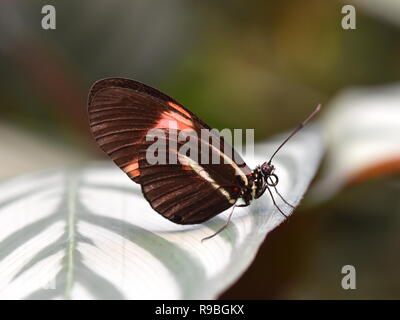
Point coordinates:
[[237, 64]]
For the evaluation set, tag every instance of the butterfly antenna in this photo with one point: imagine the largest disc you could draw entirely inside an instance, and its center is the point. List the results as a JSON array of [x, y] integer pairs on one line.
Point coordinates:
[[298, 128], [222, 228]]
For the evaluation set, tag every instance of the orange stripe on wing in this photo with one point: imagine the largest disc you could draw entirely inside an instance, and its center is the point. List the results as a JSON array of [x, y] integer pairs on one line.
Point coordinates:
[[132, 166], [133, 174], [173, 120], [179, 108], [132, 169]]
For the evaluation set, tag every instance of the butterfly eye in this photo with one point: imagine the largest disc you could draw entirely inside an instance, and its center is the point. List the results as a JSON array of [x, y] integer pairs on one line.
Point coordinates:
[[235, 189]]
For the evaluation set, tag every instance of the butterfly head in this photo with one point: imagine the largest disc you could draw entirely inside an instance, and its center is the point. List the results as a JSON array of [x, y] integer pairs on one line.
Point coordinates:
[[262, 176], [267, 170]]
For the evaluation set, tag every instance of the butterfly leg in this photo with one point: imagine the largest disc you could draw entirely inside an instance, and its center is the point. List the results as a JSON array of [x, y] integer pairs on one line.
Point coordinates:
[[283, 199], [273, 201], [280, 196], [227, 221]]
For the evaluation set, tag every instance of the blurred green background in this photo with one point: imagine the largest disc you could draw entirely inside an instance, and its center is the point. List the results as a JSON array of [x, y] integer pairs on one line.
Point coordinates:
[[237, 64]]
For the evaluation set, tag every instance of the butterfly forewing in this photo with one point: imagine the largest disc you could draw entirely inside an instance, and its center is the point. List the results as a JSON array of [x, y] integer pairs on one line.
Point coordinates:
[[122, 111], [187, 191]]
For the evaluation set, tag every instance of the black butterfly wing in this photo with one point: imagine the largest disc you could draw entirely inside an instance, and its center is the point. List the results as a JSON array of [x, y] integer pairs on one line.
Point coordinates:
[[182, 196], [121, 113], [188, 191]]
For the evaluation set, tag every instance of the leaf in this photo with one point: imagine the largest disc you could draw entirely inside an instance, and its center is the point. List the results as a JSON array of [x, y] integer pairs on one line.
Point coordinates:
[[89, 234], [362, 129]]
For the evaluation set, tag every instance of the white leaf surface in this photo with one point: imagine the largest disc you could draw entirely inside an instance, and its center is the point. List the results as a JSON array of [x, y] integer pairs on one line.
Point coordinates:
[[362, 129], [89, 234]]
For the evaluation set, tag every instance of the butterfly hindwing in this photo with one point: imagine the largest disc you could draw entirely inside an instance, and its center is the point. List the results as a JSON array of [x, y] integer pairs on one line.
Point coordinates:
[[185, 191]]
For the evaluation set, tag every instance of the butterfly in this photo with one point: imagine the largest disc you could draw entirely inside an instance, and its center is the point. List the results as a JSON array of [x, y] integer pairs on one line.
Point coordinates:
[[192, 190]]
